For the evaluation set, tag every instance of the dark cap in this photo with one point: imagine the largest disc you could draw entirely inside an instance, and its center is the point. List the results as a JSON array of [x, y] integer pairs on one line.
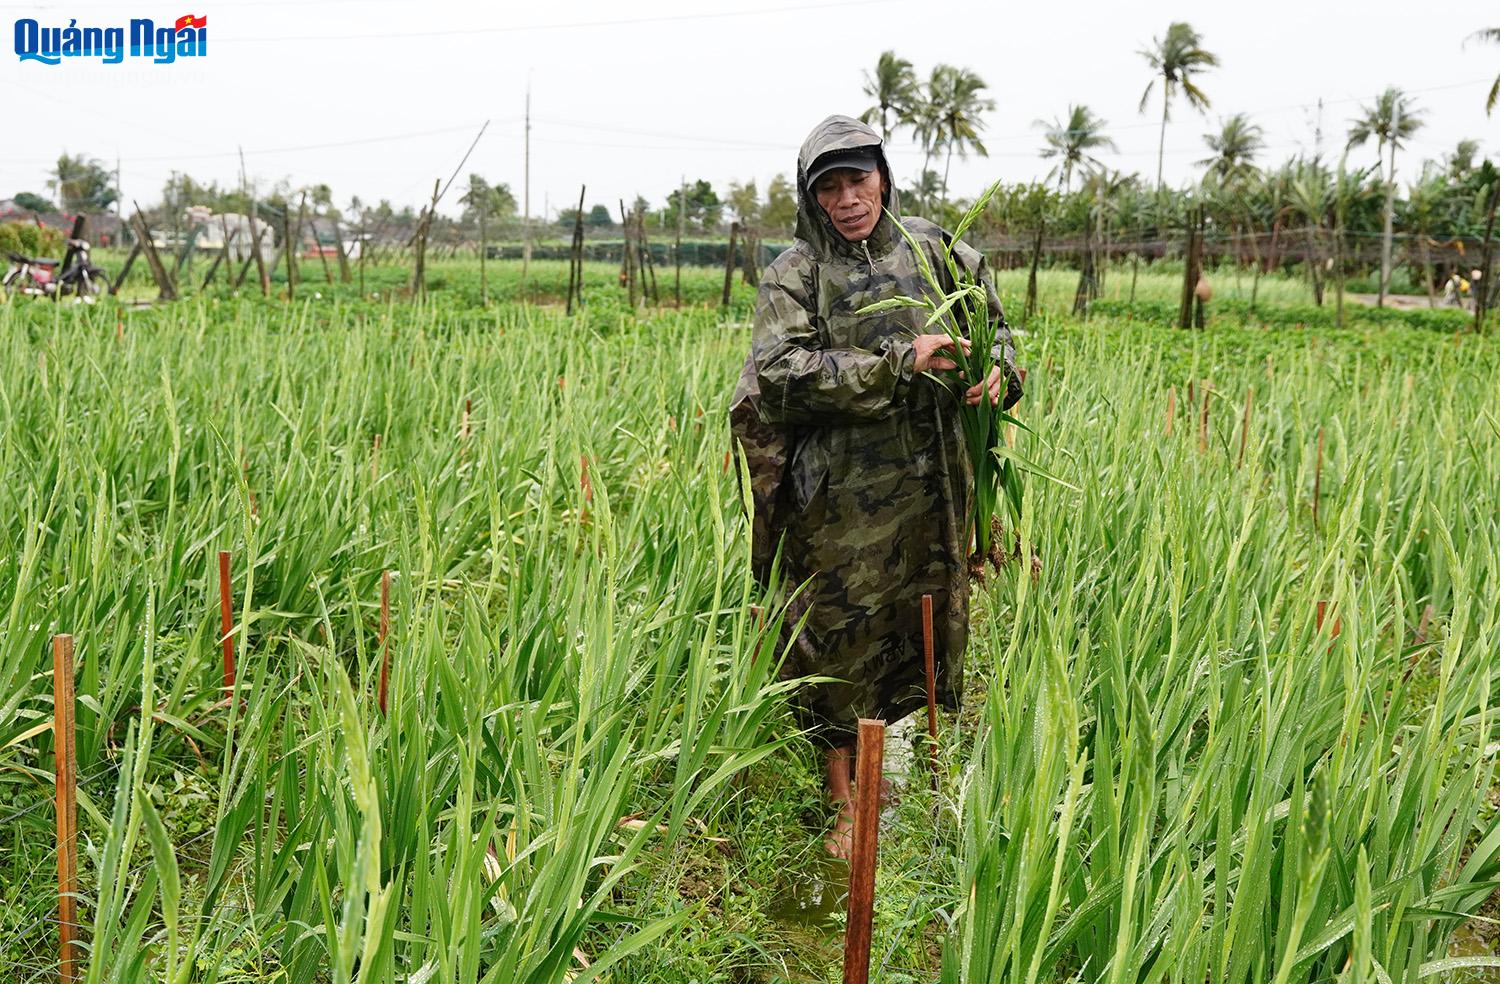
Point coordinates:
[[859, 158]]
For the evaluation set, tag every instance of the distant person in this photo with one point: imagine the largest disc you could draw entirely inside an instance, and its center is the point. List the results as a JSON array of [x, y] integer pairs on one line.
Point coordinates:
[[1456, 290], [857, 461]]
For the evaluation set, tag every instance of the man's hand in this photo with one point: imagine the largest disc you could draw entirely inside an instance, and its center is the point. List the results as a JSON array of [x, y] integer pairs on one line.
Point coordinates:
[[995, 386], [927, 347]]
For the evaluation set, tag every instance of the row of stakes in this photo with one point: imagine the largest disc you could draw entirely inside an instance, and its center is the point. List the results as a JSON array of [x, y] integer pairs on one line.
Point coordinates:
[[869, 765], [66, 769], [869, 761], [1171, 420]]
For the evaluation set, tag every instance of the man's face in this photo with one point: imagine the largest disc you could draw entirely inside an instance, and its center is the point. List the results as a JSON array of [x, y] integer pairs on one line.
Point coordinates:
[[851, 198]]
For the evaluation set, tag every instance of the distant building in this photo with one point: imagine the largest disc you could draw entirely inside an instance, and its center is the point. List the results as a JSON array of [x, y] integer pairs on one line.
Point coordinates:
[[101, 229]]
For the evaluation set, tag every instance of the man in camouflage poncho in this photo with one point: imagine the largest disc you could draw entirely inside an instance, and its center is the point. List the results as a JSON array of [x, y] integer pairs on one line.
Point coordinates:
[[857, 463]]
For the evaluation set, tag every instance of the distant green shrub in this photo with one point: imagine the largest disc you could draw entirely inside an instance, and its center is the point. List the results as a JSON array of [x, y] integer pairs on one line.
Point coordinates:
[[1234, 312], [30, 239]]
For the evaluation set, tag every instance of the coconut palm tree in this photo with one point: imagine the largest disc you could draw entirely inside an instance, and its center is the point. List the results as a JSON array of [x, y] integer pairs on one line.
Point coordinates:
[[1071, 142], [1460, 163], [1492, 35], [893, 86], [925, 121], [954, 106], [1175, 59], [1392, 119], [1234, 148], [1309, 197], [1426, 200]]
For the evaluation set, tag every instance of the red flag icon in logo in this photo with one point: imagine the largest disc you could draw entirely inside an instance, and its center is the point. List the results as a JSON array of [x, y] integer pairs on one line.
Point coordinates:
[[188, 20]]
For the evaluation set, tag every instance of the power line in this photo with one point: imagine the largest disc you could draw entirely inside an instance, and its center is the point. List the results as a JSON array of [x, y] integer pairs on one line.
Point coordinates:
[[357, 141]]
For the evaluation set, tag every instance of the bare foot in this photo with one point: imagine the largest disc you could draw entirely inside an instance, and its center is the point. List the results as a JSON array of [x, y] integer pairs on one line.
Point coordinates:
[[840, 840]]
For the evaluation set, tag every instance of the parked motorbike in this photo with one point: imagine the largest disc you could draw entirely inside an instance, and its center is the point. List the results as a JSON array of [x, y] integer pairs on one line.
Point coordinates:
[[37, 277]]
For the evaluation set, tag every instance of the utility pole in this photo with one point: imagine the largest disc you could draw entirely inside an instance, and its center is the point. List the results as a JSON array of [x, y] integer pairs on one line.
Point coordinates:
[[526, 199]]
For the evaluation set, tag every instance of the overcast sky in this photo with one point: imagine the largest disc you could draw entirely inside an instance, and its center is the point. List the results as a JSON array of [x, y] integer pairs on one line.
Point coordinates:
[[379, 97]]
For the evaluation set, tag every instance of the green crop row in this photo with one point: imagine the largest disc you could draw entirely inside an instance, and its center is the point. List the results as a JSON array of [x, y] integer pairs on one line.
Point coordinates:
[[1167, 769]]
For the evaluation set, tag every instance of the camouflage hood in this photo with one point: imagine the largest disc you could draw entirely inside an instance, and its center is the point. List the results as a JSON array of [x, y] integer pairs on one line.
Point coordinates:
[[814, 227]]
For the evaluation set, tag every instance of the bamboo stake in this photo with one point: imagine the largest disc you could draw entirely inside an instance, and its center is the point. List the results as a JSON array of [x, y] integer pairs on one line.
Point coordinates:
[[1203, 421], [385, 632], [67, 807], [862, 859], [734, 231], [1422, 626], [338, 240], [927, 658], [1318, 479], [1171, 408], [135, 250], [1245, 426], [226, 621], [318, 244], [374, 459], [289, 248], [1338, 623]]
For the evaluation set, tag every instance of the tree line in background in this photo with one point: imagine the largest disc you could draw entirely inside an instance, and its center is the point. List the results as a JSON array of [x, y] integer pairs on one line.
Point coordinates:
[[1316, 209]]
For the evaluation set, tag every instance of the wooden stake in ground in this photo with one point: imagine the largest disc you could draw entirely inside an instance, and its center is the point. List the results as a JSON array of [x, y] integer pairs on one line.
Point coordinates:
[[164, 285], [677, 250], [223, 255], [296, 242], [226, 622], [927, 658], [575, 255], [256, 255], [1203, 421], [627, 231], [734, 231], [67, 807], [419, 275], [1426, 620], [338, 240], [289, 249], [135, 250], [1245, 426], [1338, 623], [1318, 479], [868, 769], [1171, 408], [644, 245], [318, 244], [1189, 271], [385, 632]]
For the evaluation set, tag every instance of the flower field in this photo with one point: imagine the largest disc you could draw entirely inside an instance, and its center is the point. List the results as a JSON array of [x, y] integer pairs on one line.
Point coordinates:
[[1234, 724]]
